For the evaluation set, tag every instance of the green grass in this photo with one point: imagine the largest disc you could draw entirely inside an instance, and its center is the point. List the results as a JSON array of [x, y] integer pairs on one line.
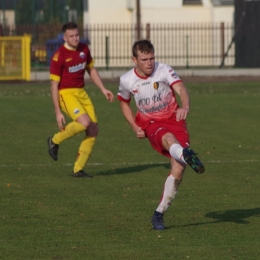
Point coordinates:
[[47, 214]]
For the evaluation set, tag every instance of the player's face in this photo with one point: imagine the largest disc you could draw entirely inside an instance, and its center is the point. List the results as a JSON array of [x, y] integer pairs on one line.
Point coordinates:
[[71, 37], [144, 63]]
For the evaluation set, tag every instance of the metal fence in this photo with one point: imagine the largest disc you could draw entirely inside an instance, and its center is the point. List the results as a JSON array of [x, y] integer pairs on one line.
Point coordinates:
[[179, 45]]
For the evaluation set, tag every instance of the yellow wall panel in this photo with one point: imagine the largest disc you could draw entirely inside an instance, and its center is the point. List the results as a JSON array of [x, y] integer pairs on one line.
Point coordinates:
[[15, 60]]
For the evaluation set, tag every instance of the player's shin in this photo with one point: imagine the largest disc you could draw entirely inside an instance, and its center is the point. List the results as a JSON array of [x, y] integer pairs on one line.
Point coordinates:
[[84, 152], [70, 130], [170, 189], [176, 151]]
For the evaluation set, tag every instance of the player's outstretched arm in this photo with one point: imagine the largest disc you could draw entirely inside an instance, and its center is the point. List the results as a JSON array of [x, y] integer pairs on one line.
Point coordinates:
[[183, 111], [93, 74], [55, 99], [129, 116]]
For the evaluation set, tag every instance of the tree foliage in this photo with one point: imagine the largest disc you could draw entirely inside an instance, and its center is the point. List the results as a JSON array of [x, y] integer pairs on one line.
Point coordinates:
[[48, 11]]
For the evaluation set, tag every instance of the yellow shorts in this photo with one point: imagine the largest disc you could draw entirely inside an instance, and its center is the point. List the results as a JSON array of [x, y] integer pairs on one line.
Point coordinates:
[[75, 102]]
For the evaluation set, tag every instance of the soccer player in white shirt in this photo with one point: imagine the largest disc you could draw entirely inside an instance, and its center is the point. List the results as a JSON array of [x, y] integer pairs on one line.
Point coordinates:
[[159, 117]]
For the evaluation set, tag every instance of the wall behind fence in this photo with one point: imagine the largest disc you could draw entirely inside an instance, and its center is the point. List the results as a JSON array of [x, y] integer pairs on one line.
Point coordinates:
[[179, 45]]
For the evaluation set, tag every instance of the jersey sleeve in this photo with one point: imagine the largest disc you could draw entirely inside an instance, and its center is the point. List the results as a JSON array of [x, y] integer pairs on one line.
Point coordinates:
[[56, 67], [170, 75], [90, 61], [90, 64], [123, 94]]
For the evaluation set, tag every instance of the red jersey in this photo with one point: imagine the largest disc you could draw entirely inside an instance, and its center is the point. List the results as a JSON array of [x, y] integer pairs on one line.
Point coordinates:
[[68, 66]]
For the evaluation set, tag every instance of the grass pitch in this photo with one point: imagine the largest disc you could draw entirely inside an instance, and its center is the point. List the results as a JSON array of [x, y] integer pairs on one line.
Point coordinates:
[[47, 214]]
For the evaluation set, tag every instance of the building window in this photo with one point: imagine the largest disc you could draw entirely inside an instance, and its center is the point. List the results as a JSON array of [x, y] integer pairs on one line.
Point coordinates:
[[192, 2], [223, 2]]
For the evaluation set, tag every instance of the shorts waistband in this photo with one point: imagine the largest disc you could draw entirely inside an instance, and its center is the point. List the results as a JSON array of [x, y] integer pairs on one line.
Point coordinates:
[[70, 90]]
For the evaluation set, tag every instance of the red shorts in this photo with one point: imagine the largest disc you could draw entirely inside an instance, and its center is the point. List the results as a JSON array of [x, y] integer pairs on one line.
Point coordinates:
[[156, 130]]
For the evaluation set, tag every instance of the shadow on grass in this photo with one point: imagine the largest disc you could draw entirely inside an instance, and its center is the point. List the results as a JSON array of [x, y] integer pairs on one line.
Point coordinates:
[[133, 169], [237, 216]]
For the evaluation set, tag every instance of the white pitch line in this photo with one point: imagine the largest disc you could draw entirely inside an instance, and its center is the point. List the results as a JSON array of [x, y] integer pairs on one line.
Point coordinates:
[[234, 161], [126, 163]]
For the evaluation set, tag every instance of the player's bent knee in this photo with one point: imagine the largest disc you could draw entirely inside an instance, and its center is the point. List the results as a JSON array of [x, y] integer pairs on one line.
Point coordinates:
[[177, 175], [170, 139], [167, 140], [84, 120], [92, 130]]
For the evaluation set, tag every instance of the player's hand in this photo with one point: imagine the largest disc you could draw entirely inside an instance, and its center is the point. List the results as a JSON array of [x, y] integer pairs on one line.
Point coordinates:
[[60, 120], [139, 132], [181, 114], [109, 95]]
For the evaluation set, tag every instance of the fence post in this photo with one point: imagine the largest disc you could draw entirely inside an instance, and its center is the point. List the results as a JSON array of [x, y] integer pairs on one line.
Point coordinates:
[[148, 31], [222, 40], [107, 53], [187, 52], [138, 20]]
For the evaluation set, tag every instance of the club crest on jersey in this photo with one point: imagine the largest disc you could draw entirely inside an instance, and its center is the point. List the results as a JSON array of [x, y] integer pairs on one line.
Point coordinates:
[[76, 111], [82, 55], [156, 85]]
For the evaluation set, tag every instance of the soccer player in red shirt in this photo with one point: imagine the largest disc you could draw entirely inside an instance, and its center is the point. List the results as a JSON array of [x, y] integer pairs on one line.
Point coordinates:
[[153, 85], [67, 70]]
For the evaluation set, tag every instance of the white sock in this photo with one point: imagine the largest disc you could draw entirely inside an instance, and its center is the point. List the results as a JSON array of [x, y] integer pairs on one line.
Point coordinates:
[[170, 190], [176, 151]]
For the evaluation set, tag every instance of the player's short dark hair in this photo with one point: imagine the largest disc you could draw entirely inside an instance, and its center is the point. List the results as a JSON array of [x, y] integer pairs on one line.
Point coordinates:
[[144, 46], [69, 26]]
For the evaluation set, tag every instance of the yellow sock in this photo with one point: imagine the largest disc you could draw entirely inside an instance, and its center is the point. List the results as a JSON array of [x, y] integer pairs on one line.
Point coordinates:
[[85, 150], [70, 130]]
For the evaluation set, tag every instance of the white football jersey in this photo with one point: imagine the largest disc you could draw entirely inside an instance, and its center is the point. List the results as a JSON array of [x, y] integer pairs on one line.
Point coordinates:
[[154, 96]]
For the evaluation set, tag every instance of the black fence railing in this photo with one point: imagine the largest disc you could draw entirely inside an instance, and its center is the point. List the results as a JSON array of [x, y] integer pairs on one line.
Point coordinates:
[[179, 45]]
